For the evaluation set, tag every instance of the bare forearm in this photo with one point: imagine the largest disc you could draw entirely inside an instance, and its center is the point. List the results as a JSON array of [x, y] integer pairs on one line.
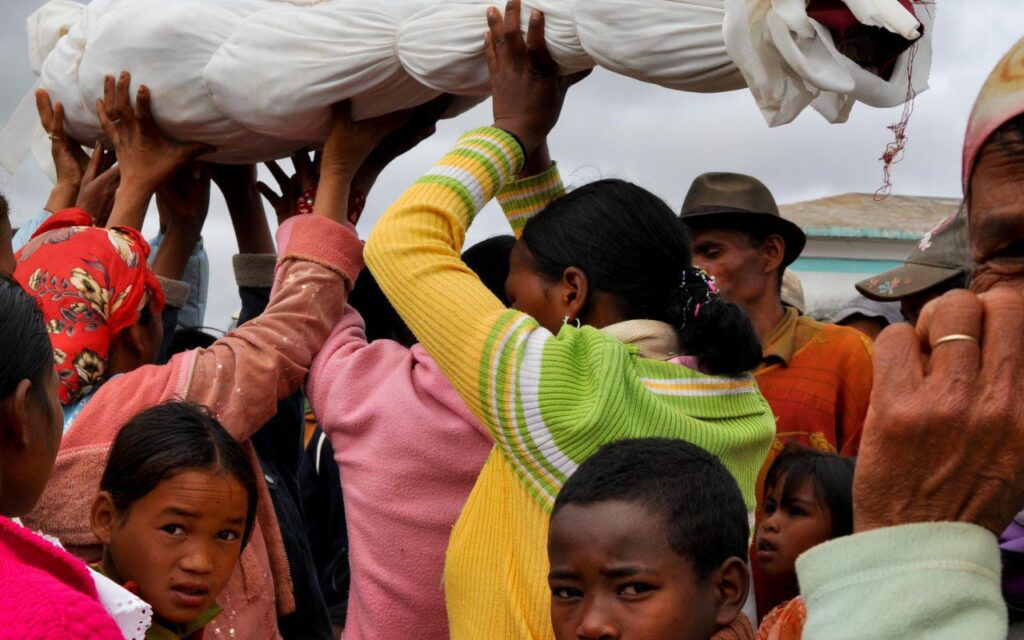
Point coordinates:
[[173, 255], [63, 196], [130, 205], [332, 194], [249, 221]]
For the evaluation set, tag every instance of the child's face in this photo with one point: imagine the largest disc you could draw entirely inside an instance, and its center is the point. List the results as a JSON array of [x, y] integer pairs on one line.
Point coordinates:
[[614, 575], [790, 527], [180, 542]]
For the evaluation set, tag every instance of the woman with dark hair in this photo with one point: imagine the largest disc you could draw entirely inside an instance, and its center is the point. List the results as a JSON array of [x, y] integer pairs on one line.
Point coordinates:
[[176, 507], [612, 334], [34, 573]]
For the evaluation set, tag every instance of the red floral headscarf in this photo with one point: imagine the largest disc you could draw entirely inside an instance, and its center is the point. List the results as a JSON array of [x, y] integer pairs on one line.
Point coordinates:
[[90, 284]]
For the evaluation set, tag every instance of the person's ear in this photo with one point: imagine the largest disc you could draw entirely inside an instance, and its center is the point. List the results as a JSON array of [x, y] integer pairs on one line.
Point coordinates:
[[14, 418], [103, 517], [575, 290], [731, 584], [774, 251]]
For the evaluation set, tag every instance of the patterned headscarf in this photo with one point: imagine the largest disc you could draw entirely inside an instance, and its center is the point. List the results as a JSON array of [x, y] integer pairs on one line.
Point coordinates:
[[1001, 99], [90, 284]]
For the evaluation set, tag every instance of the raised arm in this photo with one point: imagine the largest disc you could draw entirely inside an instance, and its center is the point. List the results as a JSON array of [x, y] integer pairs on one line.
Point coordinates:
[[414, 251], [532, 190], [147, 158], [69, 161]]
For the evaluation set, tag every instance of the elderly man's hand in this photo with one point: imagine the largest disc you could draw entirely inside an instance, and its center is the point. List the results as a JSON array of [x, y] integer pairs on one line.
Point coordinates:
[[944, 436]]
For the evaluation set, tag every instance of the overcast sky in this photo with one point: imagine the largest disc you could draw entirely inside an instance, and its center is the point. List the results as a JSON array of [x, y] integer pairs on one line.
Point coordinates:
[[616, 127]]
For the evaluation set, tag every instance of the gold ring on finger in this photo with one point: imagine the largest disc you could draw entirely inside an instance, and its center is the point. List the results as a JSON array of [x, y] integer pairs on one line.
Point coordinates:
[[955, 337], [53, 138]]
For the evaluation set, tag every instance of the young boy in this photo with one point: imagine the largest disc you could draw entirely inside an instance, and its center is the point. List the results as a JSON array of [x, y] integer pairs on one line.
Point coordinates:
[[647, 540]]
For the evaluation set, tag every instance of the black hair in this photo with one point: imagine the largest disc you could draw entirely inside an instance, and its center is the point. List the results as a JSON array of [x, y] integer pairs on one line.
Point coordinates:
[[689, 487], [169, 439], [630, 244], [831, 478], [188, 338], [488, 259], [25, 348]]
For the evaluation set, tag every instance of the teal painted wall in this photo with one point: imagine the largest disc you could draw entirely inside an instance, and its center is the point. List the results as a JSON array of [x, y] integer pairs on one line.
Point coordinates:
[[844, 265]]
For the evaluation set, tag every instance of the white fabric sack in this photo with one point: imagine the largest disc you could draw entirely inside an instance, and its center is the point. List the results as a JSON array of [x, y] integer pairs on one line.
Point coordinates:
[[256, 78]]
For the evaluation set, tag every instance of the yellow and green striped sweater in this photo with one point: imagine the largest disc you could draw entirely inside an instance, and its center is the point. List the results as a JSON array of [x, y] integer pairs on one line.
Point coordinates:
[[549, 400]]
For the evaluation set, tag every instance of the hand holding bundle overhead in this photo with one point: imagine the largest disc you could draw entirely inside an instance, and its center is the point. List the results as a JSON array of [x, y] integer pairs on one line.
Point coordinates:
[[147, 158], [357, 151], [99, 185], [944, 437], [69, 160], [526, 89]]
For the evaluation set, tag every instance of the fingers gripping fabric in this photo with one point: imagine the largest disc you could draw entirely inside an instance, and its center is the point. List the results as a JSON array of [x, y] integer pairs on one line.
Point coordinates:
[[256, 78]]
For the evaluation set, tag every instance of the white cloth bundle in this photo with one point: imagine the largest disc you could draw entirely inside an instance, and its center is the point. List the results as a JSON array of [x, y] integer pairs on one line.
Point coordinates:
[[256, 78]]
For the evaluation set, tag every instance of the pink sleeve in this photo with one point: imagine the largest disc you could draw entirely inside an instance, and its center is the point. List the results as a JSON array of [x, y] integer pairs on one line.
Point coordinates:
[[243, 375], [346, 366]]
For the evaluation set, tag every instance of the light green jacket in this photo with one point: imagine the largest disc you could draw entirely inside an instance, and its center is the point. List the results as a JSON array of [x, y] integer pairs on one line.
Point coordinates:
[[930, 580]]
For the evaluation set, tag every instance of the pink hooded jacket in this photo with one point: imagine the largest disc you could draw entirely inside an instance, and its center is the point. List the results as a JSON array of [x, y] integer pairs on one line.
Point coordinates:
[[240, 379]]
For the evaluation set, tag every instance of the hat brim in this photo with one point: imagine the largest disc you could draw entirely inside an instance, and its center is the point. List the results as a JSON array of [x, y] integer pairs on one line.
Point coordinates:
[[792, 235], [903, 282]]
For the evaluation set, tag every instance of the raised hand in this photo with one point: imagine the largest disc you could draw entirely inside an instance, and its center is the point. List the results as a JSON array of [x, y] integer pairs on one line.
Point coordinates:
[[242, 195], [420, 125], [527, 92], [302, 184], [183, 201], [147, 158], [99, 185], [348, 146], [944, 436], [69, 160]]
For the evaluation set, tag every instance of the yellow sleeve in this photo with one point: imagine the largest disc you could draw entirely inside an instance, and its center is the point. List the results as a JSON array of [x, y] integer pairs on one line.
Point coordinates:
[[414, 253]]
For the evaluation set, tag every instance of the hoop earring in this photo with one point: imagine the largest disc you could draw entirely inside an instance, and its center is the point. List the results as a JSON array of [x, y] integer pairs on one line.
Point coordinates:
[[565, 320]]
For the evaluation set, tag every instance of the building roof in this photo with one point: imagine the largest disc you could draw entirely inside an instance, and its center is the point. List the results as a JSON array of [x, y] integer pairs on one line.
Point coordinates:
[[859, 215]]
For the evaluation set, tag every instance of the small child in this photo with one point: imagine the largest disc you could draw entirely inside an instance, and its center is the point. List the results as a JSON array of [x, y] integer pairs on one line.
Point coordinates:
[[176, 506], [647, 540], [808, 501]]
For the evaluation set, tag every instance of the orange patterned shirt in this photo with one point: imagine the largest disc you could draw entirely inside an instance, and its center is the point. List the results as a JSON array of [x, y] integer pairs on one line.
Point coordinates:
[[817, 379]]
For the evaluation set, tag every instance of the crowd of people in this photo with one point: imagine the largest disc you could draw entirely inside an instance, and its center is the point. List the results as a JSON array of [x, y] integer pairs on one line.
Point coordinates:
[[616, 422]]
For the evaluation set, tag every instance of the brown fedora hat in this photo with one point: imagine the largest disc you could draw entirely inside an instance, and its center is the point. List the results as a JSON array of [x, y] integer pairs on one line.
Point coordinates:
[[738, 201]]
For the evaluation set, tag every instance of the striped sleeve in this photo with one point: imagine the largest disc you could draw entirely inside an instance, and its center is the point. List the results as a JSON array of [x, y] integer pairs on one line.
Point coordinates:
[[414, 253], [523, 199]]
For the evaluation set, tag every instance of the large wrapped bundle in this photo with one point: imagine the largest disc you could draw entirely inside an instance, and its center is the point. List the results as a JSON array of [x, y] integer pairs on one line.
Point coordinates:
[[256, 78]]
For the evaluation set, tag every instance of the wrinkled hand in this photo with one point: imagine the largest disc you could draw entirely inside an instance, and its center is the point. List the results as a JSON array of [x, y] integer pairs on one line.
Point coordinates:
[[99, 185], [526, 90], [944, 436], [303, 181], [147, 158], [69, 159]]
